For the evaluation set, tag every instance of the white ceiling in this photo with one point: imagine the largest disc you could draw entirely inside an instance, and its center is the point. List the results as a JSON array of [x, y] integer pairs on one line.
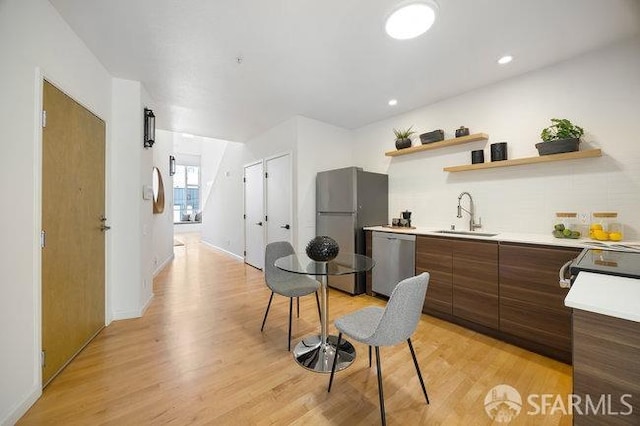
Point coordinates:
[[326, 59]]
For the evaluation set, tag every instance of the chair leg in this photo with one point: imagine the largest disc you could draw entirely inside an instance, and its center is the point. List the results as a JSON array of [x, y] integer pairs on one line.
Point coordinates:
[[267, 312], [290, 310], [380, 393], [369, 356], [415, 362], [335, 361], [318, 303], [298, 306]]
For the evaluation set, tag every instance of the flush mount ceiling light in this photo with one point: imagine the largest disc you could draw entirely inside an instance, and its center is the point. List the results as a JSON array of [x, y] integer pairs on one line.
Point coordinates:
[[411, 20], [393, 102], [505, 59]]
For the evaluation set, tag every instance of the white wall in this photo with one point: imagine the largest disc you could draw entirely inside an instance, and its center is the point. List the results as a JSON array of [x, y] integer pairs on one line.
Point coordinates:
[[320, 147], [35, 42], [315, 146], [162, 228], [32, 35], [222, 223], [126, 214], [598, 91]]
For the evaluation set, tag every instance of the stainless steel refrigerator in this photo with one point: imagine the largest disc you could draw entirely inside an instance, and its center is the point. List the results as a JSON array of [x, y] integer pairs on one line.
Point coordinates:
[[346, 201]]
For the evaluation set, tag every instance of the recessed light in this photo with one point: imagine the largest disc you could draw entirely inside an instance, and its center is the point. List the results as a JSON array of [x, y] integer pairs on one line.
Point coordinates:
[[393, 102], [187, 135], [505, 59], [411, 20]]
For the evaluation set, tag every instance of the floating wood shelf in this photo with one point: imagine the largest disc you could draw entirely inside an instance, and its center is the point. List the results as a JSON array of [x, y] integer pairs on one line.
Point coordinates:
[[529, 160], [435, 145]]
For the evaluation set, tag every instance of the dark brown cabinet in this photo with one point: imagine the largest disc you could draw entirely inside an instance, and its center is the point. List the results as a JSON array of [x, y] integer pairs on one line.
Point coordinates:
[[433, 255], [531, 301], [605, 365], [464, 278], [475, 282], [506, 290]]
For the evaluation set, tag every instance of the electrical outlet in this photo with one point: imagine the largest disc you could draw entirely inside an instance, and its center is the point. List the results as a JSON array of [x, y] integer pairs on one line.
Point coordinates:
[[583, 218]]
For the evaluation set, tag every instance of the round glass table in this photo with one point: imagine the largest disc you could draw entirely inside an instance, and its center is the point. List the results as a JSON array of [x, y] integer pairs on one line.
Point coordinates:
[[316, 352]]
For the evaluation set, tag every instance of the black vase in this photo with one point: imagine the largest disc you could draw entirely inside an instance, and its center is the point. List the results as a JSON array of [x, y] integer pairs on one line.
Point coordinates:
[[477, 156], [498, 151], [403, 143], [322, 249]]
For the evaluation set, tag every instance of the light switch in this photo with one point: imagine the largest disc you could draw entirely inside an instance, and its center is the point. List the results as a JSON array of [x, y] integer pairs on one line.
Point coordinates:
[[147, 192]]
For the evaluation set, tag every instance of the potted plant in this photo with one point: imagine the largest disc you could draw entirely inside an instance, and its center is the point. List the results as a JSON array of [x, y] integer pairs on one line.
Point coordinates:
[[561, 136], [403, 137]]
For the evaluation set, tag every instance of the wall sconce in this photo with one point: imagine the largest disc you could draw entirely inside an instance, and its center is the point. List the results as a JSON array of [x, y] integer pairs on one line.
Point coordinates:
[[172, 165], [149, 128]]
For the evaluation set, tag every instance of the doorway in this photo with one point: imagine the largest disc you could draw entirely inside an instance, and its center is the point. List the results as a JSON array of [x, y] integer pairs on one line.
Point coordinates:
[[73, 226], [268, 189]]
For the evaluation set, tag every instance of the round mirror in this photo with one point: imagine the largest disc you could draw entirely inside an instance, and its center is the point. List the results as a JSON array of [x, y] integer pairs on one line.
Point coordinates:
[[158, 191]]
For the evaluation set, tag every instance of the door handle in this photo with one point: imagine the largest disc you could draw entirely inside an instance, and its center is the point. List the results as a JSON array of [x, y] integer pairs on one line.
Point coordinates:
[[285, 226], [104, 228], [259, 223], [103, 218]]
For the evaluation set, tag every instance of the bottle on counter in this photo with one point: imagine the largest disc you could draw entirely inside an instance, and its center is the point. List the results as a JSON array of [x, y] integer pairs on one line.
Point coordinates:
[[605, 226]]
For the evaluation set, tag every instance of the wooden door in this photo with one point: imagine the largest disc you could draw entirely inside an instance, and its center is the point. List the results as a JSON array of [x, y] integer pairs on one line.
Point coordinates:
[[278, 198], [254, 215], [73, 207]]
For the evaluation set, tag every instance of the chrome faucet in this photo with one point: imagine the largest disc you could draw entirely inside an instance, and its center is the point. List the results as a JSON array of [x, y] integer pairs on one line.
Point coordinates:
[[472, 223]]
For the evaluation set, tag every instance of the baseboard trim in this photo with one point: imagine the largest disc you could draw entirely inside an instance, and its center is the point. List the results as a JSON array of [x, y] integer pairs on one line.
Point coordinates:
[[164, 264], [240, 258], [22, 407], [146, 305]]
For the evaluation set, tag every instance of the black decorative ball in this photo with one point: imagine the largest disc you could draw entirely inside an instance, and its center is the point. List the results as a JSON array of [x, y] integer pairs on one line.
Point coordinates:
[[322, 249]]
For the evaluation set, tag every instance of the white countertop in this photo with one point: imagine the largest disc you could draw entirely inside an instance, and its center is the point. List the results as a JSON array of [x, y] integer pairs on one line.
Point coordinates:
[[609, 295], [511, 237]]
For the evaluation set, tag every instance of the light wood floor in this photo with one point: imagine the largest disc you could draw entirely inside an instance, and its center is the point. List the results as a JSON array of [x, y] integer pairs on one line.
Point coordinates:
[[198, 357]]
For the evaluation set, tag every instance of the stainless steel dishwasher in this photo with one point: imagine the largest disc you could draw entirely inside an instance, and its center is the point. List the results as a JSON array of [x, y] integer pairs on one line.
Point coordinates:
[[395, 257]]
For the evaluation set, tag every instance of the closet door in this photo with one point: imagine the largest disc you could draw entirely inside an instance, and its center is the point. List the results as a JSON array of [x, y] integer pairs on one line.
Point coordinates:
[[278, 198], [254, 219]]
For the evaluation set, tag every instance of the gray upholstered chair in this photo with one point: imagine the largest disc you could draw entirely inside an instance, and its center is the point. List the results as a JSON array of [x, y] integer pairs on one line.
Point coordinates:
[[285, 283], [387, 326]]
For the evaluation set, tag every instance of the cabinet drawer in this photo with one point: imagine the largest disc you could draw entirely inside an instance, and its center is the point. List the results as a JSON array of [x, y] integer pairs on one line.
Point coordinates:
[[531, 273], [530, 321]]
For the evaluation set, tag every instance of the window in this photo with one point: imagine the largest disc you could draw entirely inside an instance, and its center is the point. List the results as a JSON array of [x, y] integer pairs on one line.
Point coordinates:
[[186, 194]]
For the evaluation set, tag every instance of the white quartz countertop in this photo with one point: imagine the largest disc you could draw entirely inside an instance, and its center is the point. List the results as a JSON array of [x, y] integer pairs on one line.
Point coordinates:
[[512, 237], [609, 295]]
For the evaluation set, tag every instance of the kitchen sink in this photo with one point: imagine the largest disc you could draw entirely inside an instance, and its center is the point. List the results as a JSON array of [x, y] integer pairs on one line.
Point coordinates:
[[477, 234]]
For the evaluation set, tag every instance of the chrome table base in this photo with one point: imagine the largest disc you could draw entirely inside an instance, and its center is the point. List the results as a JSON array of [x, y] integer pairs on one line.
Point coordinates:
[[312, 355]]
